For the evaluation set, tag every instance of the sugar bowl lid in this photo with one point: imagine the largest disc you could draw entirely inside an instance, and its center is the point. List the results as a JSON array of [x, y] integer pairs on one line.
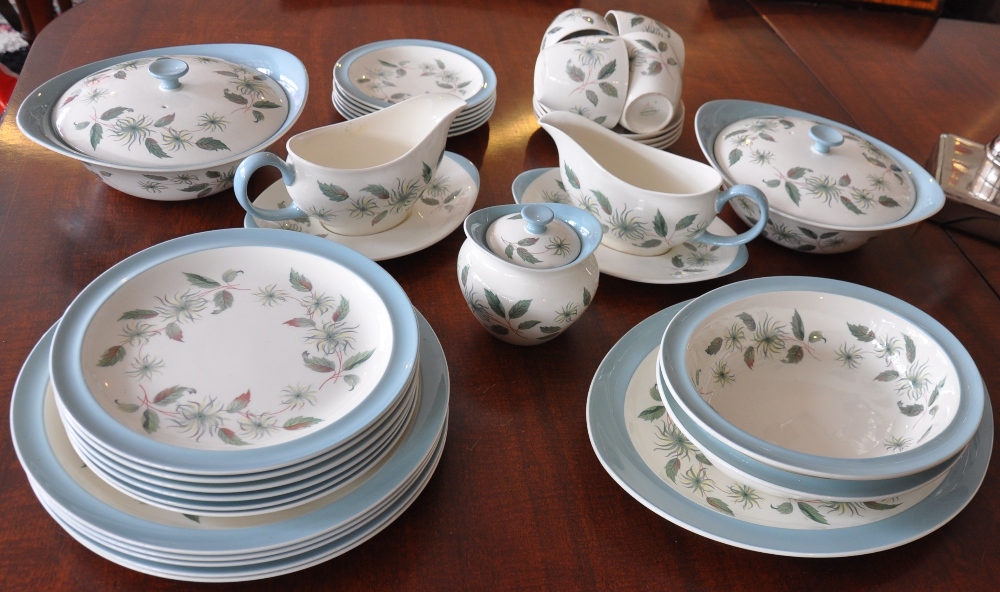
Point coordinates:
[[534, 238], [170, 111], [815, 171]]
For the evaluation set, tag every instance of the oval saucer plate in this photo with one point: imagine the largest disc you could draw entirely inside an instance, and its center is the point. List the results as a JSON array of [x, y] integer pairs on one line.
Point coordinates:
[[607, 424], [434, 217], [685, 263]]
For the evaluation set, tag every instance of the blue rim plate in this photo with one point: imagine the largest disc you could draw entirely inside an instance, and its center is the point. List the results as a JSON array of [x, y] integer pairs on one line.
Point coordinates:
[[939, 448], [44, 469], [34, 116], [343, 66], [68, 373], [613, 446]]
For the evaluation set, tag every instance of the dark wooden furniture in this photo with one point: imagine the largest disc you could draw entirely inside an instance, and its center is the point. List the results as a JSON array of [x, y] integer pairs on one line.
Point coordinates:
[[519, 500]]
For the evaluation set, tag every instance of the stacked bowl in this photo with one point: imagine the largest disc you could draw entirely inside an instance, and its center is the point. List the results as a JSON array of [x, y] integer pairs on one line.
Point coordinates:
[[819, 389], [374, 76], [581, 69], [269, 382]]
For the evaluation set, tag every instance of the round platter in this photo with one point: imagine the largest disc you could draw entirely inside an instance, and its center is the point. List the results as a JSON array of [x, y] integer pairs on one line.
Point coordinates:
[[613, 445]]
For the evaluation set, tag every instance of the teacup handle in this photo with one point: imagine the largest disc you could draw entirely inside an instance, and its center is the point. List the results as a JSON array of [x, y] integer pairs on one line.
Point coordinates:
[[753, 194], [247, 168]]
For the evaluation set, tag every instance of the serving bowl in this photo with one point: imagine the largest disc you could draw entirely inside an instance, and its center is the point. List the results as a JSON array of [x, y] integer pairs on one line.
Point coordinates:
[[823, 378], [819, 203], [210, 165]]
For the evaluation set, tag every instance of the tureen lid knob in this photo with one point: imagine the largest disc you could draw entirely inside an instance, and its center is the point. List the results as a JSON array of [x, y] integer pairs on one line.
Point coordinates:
[[169, 72], [825, 137]]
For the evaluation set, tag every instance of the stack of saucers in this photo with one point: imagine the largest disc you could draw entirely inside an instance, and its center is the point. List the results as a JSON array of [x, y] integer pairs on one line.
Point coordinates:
[[661, 139], [374, 76], [269, 382]]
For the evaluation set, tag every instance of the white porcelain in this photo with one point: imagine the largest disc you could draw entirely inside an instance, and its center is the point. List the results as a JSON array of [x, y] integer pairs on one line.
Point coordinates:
[[629, 436], [448, 199], [654, 85], [626, 23], [234, 351], [814, 226], [534, 238], [182, 110], [648, 200], [585, 75], [575, 22], [815, 171], [823, 378], [685, 263], [361, 176], [519, 304], [661, 139], [767, 479], [164, 150]]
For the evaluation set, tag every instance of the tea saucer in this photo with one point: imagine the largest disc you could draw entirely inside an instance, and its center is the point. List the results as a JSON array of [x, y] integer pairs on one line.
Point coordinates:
[[446, 203], [692, 499], [685, 263]]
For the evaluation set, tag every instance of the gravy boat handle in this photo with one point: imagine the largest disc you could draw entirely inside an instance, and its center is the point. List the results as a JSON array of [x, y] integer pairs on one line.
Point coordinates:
[[243, 173], [753, 194]]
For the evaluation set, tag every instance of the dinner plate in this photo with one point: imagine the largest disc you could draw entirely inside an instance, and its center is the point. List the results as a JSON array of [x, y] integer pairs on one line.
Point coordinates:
[[235, 571], [103, 509], [469, 115], [442, 209], [234, 351], [386, 72], [243, 503], [685, 263], [303, 476], [613, 445]]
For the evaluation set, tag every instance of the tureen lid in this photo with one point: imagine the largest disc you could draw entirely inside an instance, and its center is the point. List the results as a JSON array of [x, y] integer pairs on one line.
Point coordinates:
[[815, 171], [534, 238], [170, 111]]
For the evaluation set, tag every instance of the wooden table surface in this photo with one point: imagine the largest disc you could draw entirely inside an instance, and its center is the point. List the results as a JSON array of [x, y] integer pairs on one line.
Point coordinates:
[[519, 499]]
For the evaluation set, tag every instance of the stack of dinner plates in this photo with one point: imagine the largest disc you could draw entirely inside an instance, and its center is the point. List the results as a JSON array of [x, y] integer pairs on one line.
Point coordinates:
[[374, 76], [662, 139], [274, 384]]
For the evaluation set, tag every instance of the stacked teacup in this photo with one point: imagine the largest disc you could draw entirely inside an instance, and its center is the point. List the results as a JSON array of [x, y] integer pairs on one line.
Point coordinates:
[[581, 68]]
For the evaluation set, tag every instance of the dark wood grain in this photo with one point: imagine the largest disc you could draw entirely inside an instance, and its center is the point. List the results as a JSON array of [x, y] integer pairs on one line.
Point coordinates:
[[519, 499]]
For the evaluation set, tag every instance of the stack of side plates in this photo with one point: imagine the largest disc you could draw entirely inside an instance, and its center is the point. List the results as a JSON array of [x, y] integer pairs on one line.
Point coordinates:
[[661, 139], [339, 415], [374, 76]]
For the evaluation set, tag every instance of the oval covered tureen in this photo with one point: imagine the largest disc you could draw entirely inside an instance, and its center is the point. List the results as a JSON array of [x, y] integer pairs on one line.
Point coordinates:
[[170, 110], [815, 171]]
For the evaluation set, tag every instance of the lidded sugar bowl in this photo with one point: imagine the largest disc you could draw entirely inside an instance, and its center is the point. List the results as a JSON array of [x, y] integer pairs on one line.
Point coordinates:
[[529, 271]]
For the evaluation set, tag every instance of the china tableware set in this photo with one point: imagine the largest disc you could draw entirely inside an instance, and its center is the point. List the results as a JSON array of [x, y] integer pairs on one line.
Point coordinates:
[[581, 69], [374, 76], [232, 405], [239, 404]]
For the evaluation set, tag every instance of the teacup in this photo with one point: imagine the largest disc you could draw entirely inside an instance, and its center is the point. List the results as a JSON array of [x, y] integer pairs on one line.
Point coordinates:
[[655, 81], [575, 22], [625, 23], [648, 200], [360, 176], [586, 75]]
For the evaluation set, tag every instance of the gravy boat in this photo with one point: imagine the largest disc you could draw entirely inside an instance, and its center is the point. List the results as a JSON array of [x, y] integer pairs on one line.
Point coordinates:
[[360, 176], [648, 200]]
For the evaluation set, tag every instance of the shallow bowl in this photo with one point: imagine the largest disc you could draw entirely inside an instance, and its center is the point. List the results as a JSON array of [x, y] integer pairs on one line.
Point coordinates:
[[809, 234], [823, 378], [167, 183]]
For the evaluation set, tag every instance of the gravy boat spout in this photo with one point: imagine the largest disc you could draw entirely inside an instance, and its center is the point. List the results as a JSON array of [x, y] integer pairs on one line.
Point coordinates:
[[360, 176], [647, 200]]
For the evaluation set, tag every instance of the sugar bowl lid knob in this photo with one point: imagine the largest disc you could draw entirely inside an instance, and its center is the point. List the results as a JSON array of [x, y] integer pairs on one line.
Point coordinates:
[[534, 238]]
